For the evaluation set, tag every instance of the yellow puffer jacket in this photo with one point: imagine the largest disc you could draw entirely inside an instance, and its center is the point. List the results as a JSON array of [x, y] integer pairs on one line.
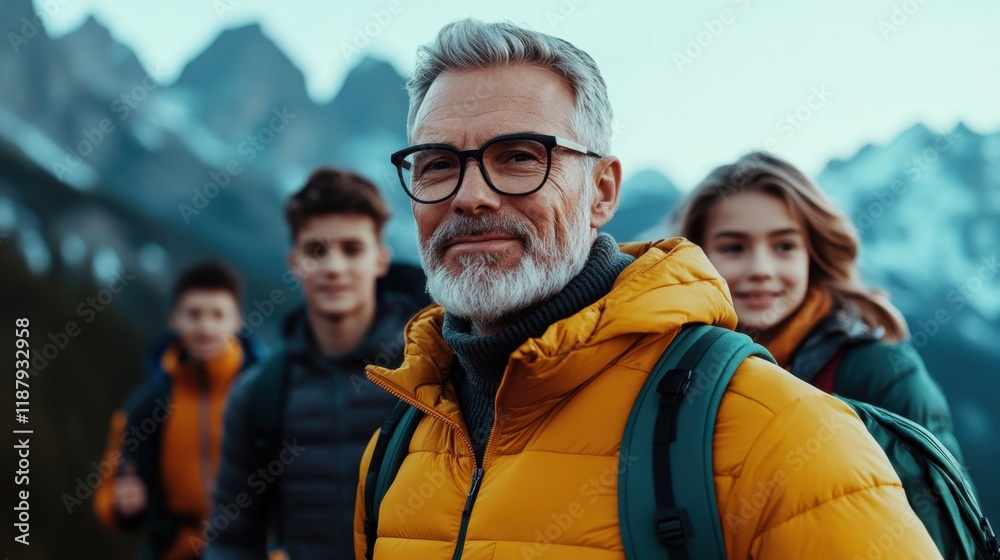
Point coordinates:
[[796, 473]]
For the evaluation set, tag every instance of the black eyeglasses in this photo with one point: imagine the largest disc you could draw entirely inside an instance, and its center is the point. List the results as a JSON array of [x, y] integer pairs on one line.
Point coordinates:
[[513, 165]]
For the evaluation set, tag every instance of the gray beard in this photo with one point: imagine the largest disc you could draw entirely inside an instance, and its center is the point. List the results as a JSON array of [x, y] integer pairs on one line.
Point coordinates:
[[485, 295]]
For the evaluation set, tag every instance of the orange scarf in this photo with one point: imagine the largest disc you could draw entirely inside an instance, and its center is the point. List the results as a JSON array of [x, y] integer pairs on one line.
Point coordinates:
[[783, 339]]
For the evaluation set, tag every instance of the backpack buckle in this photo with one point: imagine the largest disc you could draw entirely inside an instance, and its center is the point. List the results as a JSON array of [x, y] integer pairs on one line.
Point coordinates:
[[674, 385], [673, 526]]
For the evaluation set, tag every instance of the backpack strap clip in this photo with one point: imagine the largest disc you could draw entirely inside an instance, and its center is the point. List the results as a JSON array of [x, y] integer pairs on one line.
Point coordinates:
[[672, 389], [673, 386], [673, 526]]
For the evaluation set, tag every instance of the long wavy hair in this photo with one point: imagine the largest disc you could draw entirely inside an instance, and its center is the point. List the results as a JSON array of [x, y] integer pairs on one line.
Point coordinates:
[[831, 240]]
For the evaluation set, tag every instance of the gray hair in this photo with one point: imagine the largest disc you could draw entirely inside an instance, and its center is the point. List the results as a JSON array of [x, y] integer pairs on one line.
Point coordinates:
[[471, 44]]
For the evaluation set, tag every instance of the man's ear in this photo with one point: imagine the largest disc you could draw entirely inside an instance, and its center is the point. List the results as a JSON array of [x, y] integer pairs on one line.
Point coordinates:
[[384, 259], [607, 187]]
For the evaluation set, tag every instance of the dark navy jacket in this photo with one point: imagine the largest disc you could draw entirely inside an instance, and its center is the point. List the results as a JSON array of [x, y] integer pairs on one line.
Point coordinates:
[[330, 413]]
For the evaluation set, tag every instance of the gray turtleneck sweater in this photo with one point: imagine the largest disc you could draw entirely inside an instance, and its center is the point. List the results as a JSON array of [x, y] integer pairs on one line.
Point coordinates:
[[480, 361]]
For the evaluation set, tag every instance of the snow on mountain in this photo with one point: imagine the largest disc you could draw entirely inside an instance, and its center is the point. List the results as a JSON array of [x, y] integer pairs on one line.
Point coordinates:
[[927, 206]]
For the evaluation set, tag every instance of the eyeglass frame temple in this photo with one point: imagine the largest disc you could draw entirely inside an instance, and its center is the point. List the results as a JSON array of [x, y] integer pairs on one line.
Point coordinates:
[[576, 147]]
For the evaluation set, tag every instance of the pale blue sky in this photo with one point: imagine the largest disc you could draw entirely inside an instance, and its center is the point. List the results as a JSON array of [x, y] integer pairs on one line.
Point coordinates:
[[869, 68]]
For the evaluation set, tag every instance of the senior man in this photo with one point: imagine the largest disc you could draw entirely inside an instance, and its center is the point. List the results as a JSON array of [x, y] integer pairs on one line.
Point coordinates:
[[545, 330]]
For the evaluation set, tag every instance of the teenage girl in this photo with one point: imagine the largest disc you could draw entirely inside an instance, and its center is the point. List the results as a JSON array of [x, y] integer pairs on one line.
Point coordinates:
[[789, 257]]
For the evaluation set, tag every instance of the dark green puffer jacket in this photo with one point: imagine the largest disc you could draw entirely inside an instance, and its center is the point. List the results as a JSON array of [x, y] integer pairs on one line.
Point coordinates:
[[890, 375]]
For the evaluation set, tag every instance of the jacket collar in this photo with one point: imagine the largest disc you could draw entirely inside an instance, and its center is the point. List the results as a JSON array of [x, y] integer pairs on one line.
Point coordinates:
[[380, 345], [218, 370], [254, 351], [841, 328]]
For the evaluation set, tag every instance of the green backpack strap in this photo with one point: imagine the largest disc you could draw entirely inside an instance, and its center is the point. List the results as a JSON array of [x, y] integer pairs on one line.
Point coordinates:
[[936, 484], [391, 447], [673, 454]]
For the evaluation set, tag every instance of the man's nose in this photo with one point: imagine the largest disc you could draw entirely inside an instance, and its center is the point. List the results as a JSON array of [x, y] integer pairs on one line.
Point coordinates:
[[474, 194]]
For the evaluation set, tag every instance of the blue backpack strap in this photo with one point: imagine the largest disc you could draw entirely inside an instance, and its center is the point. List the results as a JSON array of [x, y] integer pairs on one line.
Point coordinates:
[[391, 447], [673, 454]]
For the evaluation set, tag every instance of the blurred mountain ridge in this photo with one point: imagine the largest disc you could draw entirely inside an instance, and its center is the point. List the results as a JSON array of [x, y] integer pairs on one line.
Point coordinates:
[[105, 167], [212, 156]]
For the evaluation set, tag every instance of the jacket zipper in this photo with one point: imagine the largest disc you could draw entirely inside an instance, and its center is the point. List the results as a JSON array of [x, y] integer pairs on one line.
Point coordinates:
[[204, 427], [470, 500], [477, 473]]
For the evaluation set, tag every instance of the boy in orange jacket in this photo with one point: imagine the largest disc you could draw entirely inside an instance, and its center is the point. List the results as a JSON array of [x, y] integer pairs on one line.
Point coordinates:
[[166, 437]]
